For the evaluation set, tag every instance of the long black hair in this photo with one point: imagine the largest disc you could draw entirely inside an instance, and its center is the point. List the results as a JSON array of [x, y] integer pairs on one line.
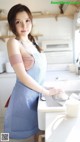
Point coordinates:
[[11, 20]]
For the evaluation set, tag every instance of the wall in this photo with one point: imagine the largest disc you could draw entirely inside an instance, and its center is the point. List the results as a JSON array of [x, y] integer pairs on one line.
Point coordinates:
[[50, 28], [34, 5]]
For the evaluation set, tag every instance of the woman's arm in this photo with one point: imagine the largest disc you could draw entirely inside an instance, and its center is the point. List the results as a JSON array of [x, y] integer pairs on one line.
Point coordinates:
[[14, 50]]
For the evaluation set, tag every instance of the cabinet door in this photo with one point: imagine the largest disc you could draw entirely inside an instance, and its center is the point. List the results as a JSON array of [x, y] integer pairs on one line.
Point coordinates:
[[60, 128], [54, 127], [6, 86]]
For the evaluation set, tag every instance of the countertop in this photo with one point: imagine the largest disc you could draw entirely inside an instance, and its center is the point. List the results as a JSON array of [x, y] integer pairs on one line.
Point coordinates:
[[51, 75], [61, 75], [43, 107], [6, 75]]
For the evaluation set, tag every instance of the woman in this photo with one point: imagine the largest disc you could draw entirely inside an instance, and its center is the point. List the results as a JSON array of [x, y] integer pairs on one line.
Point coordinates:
[[29, 64]]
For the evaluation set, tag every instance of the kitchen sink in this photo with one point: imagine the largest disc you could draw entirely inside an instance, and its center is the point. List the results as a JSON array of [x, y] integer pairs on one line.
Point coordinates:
[[51, 101], [70, 87]]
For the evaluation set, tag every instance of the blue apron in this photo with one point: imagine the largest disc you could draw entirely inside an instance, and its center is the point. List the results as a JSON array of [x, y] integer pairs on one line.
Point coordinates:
[[21, 116]]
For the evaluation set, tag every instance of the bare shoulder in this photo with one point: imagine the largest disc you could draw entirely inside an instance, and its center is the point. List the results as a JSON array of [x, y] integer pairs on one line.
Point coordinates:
[[12, 41], [13, 46]]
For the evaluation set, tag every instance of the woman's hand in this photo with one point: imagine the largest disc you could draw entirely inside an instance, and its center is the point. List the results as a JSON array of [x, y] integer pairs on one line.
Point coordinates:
[[54, 91], [51, 91], [58, 94]]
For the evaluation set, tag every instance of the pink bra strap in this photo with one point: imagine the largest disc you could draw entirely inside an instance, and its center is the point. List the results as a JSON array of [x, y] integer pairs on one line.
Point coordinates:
[[27, 61], [15, 59]]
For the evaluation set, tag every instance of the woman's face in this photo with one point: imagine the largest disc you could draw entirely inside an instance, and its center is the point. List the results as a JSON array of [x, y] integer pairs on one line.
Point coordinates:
[[23, 24]]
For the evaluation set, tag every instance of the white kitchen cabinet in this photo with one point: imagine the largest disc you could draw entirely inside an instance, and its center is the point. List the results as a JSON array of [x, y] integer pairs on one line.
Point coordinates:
[[60, 128], [59, 57], [7, 81]]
